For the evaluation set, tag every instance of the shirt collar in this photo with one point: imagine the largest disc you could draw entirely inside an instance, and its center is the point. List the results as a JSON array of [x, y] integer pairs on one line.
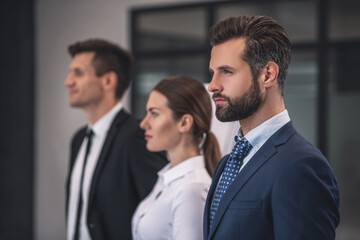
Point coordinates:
[[101, 126], [264, 131], [169, 174]]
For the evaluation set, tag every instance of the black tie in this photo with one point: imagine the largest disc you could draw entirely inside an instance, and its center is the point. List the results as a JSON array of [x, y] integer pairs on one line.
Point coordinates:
[[89, 135]]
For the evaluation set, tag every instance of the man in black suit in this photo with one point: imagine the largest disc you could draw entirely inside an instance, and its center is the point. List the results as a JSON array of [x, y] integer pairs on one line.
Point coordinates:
[[110, 168]]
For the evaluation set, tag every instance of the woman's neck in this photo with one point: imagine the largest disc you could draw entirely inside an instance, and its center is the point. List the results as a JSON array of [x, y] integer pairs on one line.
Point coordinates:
[[181, 153]]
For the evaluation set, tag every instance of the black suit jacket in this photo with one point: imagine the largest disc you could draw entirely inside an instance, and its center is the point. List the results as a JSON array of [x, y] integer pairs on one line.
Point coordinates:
[[125, 173]]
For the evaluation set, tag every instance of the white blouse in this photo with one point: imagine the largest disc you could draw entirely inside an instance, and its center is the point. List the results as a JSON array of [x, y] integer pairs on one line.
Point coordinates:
[[174, 208]]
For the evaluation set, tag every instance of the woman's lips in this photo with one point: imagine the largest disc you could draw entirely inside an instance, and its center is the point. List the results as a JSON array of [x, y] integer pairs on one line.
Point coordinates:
[[147, 137]]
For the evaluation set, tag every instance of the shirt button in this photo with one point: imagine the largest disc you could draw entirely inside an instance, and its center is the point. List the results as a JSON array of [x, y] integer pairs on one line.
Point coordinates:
[[91, 225]]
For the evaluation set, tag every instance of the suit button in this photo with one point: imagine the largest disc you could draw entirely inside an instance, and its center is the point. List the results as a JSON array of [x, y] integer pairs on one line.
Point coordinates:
[[91, 225]]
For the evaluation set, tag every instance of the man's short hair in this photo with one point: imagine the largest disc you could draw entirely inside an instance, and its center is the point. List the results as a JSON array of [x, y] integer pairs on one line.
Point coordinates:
[[108, 57], [265, 41]]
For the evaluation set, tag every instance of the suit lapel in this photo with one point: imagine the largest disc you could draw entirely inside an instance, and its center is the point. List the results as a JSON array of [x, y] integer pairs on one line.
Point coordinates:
[[256, 162], [246, 173], [75, 147], [105, 151]]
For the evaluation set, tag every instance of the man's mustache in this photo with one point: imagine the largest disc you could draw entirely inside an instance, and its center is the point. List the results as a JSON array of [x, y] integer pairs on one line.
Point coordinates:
[[218, 95]]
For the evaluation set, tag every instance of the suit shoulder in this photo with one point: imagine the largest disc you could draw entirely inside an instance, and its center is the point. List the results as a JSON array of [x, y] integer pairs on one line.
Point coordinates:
[[78, 135], [80, 131], [299, 147], [299, 157], [130, 127], [132, 122]]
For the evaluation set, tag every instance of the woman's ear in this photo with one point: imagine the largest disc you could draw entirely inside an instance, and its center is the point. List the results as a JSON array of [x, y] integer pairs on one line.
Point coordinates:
[[186, 123]]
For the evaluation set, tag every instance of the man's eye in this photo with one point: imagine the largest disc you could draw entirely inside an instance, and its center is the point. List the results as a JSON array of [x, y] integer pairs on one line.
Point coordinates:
[[227, 71], [154, 114], [78, 73]]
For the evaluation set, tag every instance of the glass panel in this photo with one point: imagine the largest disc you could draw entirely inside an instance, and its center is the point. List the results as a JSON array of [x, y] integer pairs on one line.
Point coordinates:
[[344, 19], [344, 140], [161, 30], [301, 93], [298, 18], [151, 71], [344, 112]]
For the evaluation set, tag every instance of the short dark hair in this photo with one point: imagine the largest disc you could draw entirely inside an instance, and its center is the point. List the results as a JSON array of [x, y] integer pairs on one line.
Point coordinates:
[[265, 41], [108, 57]]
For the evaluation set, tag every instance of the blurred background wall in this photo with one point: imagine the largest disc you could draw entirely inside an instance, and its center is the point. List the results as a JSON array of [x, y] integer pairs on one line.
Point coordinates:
[[167, 37]]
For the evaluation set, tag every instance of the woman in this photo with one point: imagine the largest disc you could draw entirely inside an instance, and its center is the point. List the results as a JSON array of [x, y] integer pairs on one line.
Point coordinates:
[[178, 121]]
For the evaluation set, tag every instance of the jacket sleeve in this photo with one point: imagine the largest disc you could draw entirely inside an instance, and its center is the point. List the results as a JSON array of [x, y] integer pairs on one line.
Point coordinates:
[[305, 201]]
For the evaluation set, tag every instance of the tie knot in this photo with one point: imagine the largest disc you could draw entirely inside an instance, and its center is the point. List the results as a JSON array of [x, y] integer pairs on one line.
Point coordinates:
[[89, 133], [241, 148]]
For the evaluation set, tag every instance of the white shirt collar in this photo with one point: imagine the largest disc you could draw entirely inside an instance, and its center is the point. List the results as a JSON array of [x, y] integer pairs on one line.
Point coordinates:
[[259, 135], [101, 126], [169, 174]]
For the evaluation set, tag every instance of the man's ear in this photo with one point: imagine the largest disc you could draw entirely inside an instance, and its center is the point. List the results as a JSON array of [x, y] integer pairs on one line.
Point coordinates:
[[271, 72], [109, 80], [186, 123]]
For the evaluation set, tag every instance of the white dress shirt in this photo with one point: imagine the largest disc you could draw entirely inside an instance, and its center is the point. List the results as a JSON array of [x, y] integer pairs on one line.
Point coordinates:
[[100, 129], [259, 135], [174, 208]]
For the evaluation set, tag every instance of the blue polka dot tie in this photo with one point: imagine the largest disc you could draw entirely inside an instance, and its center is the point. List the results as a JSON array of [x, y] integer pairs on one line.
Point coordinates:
[[232, 167]]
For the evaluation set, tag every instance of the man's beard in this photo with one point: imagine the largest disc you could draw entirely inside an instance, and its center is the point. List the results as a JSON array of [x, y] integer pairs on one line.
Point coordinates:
[[239, 108]]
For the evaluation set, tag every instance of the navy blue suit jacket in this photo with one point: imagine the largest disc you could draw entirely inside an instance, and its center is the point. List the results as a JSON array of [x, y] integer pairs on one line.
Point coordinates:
[[286, 191]]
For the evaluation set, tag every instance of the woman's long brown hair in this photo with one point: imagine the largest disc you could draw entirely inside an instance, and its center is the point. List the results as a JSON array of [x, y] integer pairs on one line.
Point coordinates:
[[186, 95]]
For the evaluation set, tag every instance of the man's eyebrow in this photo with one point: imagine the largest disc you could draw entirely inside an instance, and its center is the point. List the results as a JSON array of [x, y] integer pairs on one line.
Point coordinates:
[[225, 67], [74, 69], [152, 108]]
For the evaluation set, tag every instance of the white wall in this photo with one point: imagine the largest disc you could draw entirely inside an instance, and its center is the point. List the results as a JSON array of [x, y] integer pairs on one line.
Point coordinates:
[[58, 24]]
